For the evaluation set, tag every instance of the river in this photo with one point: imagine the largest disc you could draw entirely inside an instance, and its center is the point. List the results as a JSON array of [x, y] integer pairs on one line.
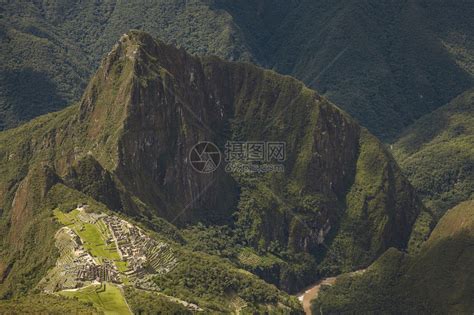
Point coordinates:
[[311, 292]]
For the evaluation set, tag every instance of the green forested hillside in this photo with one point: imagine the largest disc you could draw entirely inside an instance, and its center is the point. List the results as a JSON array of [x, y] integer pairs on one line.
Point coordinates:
[[339, 203], [386, 63], [437, 154], [51, 48], [438, 280], [241, 242]]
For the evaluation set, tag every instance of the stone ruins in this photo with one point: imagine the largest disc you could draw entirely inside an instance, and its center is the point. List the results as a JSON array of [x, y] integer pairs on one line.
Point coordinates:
[[76, 267]]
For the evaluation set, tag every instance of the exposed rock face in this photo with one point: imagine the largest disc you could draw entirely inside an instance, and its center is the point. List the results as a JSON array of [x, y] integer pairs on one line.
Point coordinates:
[[161, 109], [341, 195]]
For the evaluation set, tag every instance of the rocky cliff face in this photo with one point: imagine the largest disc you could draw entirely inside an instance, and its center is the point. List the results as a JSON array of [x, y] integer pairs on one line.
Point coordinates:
[[340, 198]]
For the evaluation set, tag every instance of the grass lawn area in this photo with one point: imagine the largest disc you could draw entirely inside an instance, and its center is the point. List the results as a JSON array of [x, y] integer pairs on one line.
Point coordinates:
[[65, 218], [95, 243], [106, 297], [92, 235]]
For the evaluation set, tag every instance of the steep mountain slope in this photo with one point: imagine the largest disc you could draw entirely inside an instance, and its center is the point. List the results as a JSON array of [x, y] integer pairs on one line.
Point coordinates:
[[437, 154], [439, 280], [51, 48], [386, 63], [454, 28], [41, 70], [340, 203]]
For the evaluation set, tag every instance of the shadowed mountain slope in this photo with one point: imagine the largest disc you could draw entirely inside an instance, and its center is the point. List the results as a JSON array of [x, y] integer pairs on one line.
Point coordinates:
[[386, 63]]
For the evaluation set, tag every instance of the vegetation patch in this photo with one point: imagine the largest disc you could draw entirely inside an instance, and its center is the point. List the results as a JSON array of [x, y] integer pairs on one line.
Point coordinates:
[[46, 304], [105, 297], [437, 154], [436, 279], [143, 302]]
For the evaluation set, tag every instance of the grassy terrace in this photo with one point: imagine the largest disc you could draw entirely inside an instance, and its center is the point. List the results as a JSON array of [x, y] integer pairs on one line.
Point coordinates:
[[105, 297], [93, 236]]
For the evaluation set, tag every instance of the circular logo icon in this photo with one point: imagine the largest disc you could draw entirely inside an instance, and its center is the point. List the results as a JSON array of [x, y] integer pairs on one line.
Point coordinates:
[[205, 157]]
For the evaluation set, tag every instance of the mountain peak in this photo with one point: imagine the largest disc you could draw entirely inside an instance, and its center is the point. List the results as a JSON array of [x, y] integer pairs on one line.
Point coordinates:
[[136, 41], [137, 36], [135, 59], [150, 104]]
